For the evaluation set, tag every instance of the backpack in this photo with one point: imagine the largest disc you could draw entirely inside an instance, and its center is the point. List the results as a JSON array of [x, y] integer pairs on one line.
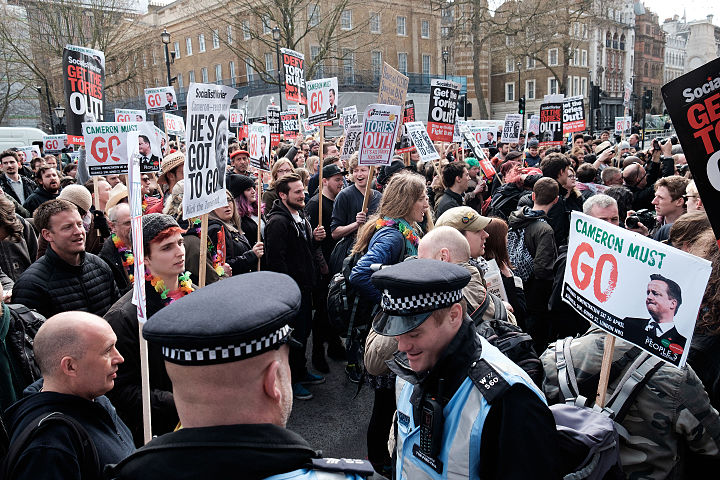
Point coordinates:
[[24, 325], [520, 257], [508, 338], [589, 437]]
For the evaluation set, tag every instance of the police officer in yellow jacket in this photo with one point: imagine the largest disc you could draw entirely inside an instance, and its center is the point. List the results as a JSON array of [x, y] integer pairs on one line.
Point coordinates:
[[227, 357], [464, 410]]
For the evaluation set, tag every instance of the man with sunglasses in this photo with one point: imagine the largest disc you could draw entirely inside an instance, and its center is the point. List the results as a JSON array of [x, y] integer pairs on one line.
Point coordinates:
[[640, 180]]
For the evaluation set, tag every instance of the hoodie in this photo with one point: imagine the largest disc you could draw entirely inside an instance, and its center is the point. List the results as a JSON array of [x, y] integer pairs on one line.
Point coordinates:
[[539, 239], [52, 453]]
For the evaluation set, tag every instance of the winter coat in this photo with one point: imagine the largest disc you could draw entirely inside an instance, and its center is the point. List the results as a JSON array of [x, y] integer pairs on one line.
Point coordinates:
[[447, 200], [28, 187], [16, 257], [51, 285], [559, 214], [238, 250], [539, 240], [387, 247], [38, 197]]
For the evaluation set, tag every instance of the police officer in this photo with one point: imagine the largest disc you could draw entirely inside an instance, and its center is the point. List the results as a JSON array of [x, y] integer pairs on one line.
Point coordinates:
[[227, 356], [464, 410]]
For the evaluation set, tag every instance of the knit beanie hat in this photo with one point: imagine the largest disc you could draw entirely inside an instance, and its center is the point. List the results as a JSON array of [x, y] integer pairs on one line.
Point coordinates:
[[78, 195], [153, 224], [237, 184]]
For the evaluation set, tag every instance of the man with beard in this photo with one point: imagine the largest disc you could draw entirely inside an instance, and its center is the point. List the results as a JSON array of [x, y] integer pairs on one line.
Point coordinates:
[[48, 188], [12, 183], [291, 247]]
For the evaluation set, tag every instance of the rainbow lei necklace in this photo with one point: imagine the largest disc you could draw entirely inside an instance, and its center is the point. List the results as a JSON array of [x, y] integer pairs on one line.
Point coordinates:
[[166, 295], [194, 228], [404, 227], [128, 259]]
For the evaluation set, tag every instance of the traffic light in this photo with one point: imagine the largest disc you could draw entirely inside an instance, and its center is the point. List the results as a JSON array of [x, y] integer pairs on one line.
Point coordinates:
[[595, 97], [647, 100], [464, 108], [521, 105]]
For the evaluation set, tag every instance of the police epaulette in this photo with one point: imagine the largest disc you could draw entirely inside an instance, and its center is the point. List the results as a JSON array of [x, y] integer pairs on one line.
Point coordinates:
[[345, 465], [490, 383]]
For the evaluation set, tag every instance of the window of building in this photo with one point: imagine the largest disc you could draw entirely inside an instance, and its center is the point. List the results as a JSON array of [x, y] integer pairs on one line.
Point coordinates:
[[229, 35], [426, 64], [144, 60], [154, 57], [233, 74], [583, 58], [191, 76], [319, 66], [313, 15], [346, 20], [249, 70], [269, 63], [553, 57], [157, 82], [552, 86], [402, 62], [201, 43], [576, 86], [188, 46], [374, 22], [216, 38], [376, 60], [444, 32], [510, 91], [509, 40], [204, 75], [246, 30], [509, 64], [348, 61], [176, 47], [530, 89], [218, 73], [576, 57], [180, 80], [401, 26], [424, 29], [530, 62], [266, 24], [583, 86]]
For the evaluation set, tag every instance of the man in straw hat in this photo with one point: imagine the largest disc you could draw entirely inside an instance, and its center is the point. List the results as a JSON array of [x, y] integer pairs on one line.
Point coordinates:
[[171, 172]]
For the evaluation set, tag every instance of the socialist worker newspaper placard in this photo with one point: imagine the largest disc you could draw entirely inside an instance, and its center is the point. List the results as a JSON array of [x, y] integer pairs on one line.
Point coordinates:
[[442, 109], [206, 140], [573, 115], [551, 124], [642, 291], [294, 65], [424, 146], [693, 102], [84, 78]]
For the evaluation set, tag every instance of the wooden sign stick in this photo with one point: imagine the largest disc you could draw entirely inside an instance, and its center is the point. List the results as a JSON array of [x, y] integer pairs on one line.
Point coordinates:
[[368, 188], [320, 174], [203, 248], [259, 206], [608, 350]]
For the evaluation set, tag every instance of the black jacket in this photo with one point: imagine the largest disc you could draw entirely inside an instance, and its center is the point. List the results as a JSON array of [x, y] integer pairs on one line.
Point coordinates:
[[112, 257], [16, 257], [52, 454], [539, 240], [28, 187], [238, 250], [127, 394], [38, 197], [447, 200], [289, 246], [559, 214], [51, 285], [704, 358]]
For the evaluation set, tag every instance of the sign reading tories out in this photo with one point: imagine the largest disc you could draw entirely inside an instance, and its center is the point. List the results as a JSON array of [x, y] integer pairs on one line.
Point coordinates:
[[380, 126], [442, 109], [84, 78], [633, 287]]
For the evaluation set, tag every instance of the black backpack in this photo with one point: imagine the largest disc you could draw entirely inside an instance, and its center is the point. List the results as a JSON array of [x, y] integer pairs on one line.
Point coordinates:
[[508, 338], [345, 308], [24, 324]]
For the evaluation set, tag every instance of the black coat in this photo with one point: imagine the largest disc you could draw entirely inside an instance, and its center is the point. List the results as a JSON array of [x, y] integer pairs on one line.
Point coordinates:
[[127, 394], [238, 250], [51, 285], [289, 249], [447, 200], [112, 257], [38, 197], [559, 214], [16, 257], [28, 185]]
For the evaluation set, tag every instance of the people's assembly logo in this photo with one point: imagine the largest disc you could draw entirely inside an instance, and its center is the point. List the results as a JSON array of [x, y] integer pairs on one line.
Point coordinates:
[[381, 113]]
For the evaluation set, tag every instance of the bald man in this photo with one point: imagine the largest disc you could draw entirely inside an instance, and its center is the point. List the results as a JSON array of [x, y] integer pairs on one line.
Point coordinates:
[[78, 361]]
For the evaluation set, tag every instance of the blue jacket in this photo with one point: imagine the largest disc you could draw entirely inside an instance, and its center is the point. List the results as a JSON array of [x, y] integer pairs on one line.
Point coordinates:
[[386, 247]]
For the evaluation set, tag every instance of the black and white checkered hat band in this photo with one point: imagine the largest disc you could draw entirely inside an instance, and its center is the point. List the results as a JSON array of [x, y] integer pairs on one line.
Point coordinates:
[[420, 303], [229, 353]]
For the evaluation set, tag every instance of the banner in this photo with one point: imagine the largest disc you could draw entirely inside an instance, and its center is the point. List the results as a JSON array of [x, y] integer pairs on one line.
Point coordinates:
[[533, 124], [420, 138], [258, 145], [692, 102], [273, 120], [393, 86], [109, 145], [290, 125], [486, 131], [174, 124], [322, 100], [84, 79], [633, 287], [127, 115], [511, 128], [349, 116], [160, 99], [442, 109], [294, 65], [409, 113], [54, 143], [380, 126], [353, 134], [551, 130], [237, 117], [206, 140], [573, 115], [623, 125], [29, 152], [486, 166]]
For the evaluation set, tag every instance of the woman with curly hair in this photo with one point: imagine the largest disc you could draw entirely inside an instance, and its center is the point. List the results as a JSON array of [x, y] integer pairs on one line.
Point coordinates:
[[18, 242]]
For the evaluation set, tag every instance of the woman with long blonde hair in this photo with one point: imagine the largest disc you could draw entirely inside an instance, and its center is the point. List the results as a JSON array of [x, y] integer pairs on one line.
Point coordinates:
[[281, 167]]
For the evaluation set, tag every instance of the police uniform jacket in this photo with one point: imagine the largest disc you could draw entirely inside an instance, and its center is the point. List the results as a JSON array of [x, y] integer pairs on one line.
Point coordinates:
[[498, 430]]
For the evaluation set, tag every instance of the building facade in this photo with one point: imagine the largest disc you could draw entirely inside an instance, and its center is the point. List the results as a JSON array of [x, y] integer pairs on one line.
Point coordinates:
[[649, 60], [689, 44]]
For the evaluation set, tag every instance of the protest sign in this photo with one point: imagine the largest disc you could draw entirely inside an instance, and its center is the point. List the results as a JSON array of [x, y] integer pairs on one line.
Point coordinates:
[[206, 140], [622, 125], [442, 109], [409, 112], [29, 152], [290, 125], [633, 287], [273, 120], [692, 101], [174, 124], [551, 130], [493, 280], [420, 138], [160, 99], [257, 120], [573, 115], [349, 116], [486, 131], [294, 65], [380, 126], [128, 115], [109, 146], [393, 86], [486, 166], [404, 144], [258, 145], [533, 124], [84, 79], [511, 128], [353, 134], [237, 117], [309, 129], [54, 143], [322, 100]]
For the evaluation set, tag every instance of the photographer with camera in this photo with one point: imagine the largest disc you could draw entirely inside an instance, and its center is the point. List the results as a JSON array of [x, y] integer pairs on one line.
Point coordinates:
[[640, 180]]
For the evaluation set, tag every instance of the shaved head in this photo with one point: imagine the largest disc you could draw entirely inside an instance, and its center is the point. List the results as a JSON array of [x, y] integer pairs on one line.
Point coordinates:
[[448, 238]]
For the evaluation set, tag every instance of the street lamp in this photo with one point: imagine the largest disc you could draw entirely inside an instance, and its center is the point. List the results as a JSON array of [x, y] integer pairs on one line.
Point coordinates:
[[445, 57], [276, 37], [165, 37], [59, 113]]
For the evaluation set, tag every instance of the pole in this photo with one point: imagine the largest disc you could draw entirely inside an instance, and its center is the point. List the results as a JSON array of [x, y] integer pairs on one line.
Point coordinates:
[[445, 67], [203, 248], [605, 370], [277, 52], [258, 198], [368, 188], [465, 109], [167, 64], [50, 112], [320, 174], [643, 133]]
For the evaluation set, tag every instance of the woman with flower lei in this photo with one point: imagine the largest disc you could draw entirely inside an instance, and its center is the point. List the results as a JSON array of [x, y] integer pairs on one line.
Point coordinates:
[[165, 282], [388, 237]]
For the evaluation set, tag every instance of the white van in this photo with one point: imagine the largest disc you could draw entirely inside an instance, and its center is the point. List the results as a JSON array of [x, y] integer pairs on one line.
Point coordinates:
[[19, 136]]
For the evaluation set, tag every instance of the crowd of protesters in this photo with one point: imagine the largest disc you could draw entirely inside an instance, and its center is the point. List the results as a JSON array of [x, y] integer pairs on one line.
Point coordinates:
[[67, 247]]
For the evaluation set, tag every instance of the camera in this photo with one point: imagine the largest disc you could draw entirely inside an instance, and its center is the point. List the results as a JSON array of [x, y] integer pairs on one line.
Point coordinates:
[[644, 216], [682, 168]]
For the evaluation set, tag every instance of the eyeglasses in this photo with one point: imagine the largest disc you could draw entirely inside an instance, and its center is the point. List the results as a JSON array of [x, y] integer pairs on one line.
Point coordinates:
[[571, 175], [685, 197]]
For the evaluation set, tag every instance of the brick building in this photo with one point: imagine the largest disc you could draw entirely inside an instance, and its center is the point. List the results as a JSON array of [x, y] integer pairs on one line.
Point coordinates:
[[649, 59]]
